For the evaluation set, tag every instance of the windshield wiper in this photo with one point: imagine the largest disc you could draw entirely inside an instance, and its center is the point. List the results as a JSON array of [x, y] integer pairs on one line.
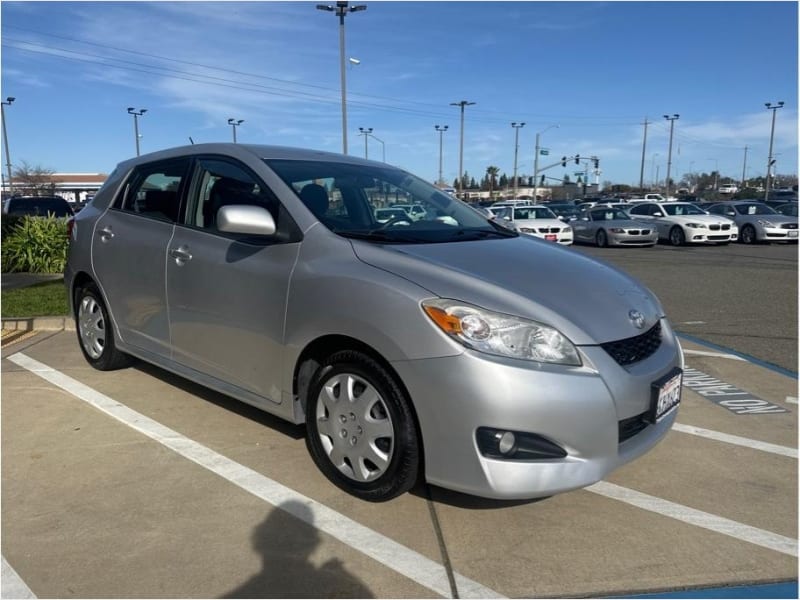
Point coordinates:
[[482, 234], [376, 235]]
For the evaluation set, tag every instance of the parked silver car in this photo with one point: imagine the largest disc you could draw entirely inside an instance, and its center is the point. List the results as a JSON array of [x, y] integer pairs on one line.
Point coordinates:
[[610, 226], [757, 222], [451, 348]]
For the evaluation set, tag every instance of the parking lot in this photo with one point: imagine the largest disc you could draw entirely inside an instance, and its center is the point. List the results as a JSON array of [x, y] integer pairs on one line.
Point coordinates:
[[137, 483]]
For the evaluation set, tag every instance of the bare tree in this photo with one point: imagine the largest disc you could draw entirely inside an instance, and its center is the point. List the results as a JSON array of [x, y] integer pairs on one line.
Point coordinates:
[[33, 180]]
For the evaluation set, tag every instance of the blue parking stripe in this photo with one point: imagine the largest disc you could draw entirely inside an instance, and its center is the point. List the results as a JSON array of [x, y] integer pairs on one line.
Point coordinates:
[[773, 590], [747, 357]]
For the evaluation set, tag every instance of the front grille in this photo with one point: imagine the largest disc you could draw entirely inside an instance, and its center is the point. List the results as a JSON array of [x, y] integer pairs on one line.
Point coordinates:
[[789, 226], [631, 426], [549, 229], [714, 227], [726, 227], [632, 350], [632, 232]]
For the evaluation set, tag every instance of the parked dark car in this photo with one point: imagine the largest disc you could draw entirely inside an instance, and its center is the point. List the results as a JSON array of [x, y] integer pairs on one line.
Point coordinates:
[[789, 209], [37, 206]]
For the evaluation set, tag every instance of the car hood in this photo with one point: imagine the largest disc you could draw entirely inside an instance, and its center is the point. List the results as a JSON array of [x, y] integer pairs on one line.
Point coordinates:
[[587, 300], [535, 223], [777, 219], [707, 219]]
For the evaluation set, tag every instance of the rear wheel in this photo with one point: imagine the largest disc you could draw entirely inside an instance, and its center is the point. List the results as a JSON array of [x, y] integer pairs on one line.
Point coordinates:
[[602, 238], [360, 429], [676, 236], [95, 332]]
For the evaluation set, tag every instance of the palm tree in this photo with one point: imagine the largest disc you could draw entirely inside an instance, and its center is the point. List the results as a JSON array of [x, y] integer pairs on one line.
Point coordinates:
[[491, 173]]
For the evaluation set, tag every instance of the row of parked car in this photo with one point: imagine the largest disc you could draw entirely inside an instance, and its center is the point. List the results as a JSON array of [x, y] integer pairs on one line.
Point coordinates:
[[646, 223]]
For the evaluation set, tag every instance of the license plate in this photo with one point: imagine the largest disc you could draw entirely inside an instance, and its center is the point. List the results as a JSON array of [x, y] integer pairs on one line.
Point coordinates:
[[793, 233], [554, 238], [666, 395]]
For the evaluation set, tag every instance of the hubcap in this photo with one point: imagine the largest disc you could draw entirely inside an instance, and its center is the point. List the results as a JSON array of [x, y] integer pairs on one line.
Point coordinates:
[[354, 427], [91, 327]]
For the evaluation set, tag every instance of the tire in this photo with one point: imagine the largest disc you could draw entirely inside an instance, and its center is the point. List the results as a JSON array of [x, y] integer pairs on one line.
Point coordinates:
[[748, 235], [601, 239], [360, 430], [95, 331], [676, 236]]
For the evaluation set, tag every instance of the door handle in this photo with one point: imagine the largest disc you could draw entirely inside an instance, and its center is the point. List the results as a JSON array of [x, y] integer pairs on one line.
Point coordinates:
[[105, 234], [181, 255]]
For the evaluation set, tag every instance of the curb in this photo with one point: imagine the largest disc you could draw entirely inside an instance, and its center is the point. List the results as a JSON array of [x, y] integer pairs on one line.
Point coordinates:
[[39, 324]]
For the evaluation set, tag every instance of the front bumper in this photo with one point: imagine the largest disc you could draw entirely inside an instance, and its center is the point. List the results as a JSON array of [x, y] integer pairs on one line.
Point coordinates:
[[777, 234], [627, 239], [581, 409]]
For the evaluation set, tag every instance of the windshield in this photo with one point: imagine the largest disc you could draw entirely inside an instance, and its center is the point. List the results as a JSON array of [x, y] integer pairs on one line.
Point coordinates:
[[609, 214], [754, 209], [533, 212], [678, 210], [362, 201]]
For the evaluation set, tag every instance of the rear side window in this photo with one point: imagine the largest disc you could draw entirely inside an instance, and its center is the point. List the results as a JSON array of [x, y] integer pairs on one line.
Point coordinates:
[[154, 190]]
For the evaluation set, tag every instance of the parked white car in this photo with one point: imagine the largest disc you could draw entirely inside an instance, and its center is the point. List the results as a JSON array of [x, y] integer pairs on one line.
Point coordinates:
[[684, 223], [728, 188], [541, 222]]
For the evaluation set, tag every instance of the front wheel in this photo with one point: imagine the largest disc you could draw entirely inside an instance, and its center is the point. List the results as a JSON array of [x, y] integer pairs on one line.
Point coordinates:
[[95, 332], [748, 235], [602, 238], [360, 430], [676, 236]]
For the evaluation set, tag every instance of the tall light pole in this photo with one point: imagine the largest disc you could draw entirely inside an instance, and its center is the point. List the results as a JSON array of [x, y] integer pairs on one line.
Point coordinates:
[[8, 102], [365, 132], [536, 151], [441, 131], [671, 120], [234, 123], [644, 147], [136, 114], [341, 10], [653, 182], [744, 168], [770, 161], [716, 172], [383, 147], [462, 104], [517, 127]]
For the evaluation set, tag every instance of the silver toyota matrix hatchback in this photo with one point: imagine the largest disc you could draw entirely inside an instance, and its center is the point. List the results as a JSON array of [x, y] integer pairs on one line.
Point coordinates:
[[439, 346]]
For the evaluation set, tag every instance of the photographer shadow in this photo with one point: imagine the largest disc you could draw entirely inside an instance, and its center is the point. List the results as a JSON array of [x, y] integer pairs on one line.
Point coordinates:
[[286, 540]]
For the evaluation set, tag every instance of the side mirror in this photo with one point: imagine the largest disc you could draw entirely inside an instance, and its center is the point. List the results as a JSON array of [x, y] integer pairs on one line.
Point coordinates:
[[658, 214], [245, 219]]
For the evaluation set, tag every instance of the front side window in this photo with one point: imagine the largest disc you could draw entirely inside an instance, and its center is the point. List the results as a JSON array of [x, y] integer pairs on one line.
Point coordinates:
[[154, 190], [754, 209], [609, 214], [352, 201]]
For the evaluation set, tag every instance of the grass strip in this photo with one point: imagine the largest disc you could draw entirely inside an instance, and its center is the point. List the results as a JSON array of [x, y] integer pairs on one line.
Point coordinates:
[[47, 299]]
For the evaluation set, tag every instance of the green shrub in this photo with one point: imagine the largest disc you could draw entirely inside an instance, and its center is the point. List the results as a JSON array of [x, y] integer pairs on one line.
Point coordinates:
[[35, 245]]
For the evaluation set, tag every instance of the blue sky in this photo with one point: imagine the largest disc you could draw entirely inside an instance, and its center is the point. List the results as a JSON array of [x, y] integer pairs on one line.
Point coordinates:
[[597, 70]]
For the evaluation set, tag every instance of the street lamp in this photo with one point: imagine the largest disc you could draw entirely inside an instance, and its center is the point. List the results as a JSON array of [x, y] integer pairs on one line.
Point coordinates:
[[653, 182], [716, 172], [234, 123], [770, 160], [536, 159], [441, 131], [517, 127], [671, 120], [365, 133], [8, 102], [462, 104], [341, 9], [136, 114], [383, 147]]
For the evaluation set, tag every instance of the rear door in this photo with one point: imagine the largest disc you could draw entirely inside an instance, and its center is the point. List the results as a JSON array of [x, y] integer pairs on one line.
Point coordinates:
[[129, 253]]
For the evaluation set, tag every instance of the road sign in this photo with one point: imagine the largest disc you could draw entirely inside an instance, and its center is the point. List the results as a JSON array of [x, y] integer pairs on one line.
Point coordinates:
[[544, 151]]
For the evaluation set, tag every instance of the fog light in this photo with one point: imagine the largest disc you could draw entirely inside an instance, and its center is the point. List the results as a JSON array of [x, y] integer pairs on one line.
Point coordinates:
[[505, 442]]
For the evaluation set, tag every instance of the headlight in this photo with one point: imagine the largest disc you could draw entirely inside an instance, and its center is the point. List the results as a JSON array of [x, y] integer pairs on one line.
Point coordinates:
[[616, 230], [697, 225], [499, 334], [527, 230], [566, 230], [765, 223]]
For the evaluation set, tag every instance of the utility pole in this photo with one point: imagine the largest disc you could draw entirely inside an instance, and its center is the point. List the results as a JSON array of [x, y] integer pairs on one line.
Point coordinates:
[[770, 161], [671, 120], [8, 102], [441, 131], [744, 169], [517, 127], [644, 149], [462, 104], [536, 151]]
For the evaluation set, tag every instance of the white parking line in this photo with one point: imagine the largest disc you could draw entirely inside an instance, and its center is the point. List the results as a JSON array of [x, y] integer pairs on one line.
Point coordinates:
[[393, 555], [735, 439], [698, 518], [714, 354], [12, 585]]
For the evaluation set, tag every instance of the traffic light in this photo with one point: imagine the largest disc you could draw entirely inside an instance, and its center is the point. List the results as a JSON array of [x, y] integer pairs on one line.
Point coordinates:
[[577, 159], [542, 180], [563, 161], [596, 163]]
